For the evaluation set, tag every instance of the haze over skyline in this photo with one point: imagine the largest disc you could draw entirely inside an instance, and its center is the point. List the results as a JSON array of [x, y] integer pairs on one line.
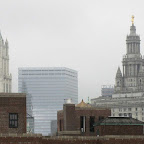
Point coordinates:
[[87, 36]]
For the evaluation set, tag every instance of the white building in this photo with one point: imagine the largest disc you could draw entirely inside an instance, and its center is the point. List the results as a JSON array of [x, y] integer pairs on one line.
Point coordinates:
[[128, 97], [5, 77], [48, 88]]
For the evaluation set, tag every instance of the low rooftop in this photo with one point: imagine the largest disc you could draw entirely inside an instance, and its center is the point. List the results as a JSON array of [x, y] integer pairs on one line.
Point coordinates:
[[119, 121]]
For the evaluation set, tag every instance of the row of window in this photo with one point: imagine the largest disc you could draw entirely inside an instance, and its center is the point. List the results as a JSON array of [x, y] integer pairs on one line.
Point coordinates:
[[47, 71], [127, 109], [126, 114]]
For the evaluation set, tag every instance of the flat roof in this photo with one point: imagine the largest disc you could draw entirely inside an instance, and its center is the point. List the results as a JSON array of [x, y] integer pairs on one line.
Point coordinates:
[[12, 95]]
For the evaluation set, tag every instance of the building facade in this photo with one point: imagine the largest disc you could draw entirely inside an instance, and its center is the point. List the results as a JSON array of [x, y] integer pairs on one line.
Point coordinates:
[[5, 77], [12, 113], [48, 88], [107, 90], [80, 119], [128, 97], [131, 79]]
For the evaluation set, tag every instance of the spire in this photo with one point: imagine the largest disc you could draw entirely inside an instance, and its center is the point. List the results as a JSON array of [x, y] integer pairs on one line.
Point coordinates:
[[0, 36], [132, 20], [6, 43], [118, 74], [132, 28]]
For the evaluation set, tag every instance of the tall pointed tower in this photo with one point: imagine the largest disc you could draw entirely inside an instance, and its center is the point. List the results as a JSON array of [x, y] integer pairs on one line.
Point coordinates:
[[5, 77], [133, 64]]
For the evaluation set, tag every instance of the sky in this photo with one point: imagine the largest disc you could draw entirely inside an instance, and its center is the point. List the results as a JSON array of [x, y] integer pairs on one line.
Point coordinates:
[[84, 35]]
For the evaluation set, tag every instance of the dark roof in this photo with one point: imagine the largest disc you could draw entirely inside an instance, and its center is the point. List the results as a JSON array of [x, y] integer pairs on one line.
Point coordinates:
[[119, 121]]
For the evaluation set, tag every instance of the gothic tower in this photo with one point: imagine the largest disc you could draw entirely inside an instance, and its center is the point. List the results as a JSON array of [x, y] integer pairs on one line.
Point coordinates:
[[132, 79], [5, 77]]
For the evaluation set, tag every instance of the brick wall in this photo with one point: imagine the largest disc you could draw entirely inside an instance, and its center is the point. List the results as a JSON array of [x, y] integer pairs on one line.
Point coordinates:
[[70, 118], [38, 139], [120, 130], [90, 112], [12, 103], [60, 118]]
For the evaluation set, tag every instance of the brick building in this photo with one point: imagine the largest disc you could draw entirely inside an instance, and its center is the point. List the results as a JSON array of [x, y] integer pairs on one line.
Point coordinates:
[[12, 113], [119, 126], [79, 119]]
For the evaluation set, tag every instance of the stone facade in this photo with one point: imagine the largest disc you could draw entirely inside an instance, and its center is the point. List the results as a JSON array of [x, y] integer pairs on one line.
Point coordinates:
[[5, 77], [131, 79], [12, 103], [128, 97]]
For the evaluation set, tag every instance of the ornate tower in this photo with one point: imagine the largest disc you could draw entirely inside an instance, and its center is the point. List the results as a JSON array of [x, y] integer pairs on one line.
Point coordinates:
[[118, 80], [133, 63], [5, 77]]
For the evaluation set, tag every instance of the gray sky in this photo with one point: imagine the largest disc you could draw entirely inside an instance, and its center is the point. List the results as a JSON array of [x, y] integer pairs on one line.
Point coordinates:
[[85, 35]]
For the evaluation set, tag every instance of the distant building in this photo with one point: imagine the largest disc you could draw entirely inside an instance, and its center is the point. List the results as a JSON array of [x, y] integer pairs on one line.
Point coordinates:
[[107, 90], [12, 113], [128, 97], [30, 123], [48, 88], [79, 119], [5, 77], [30, 118]]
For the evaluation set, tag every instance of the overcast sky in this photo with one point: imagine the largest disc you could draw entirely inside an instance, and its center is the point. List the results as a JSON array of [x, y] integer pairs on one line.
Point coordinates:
[[84, 35]]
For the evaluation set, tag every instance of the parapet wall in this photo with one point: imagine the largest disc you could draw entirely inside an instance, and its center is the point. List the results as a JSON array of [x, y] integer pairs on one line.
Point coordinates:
[[39, 139]]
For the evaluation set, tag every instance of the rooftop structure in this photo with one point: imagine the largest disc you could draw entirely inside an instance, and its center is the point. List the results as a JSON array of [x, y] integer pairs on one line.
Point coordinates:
[[119, 126], [79, 119]]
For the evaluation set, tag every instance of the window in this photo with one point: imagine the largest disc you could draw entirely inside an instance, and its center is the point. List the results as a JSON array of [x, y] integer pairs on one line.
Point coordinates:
[[92, 120], [129, 109], [60, 126], [130, 114], [83, 123], [120, 109], [125, 114], [125, 109], [13, 120], [120, 114]]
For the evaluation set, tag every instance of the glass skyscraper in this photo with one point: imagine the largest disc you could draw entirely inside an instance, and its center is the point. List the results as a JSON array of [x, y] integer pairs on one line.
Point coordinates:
[[48, 88]]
